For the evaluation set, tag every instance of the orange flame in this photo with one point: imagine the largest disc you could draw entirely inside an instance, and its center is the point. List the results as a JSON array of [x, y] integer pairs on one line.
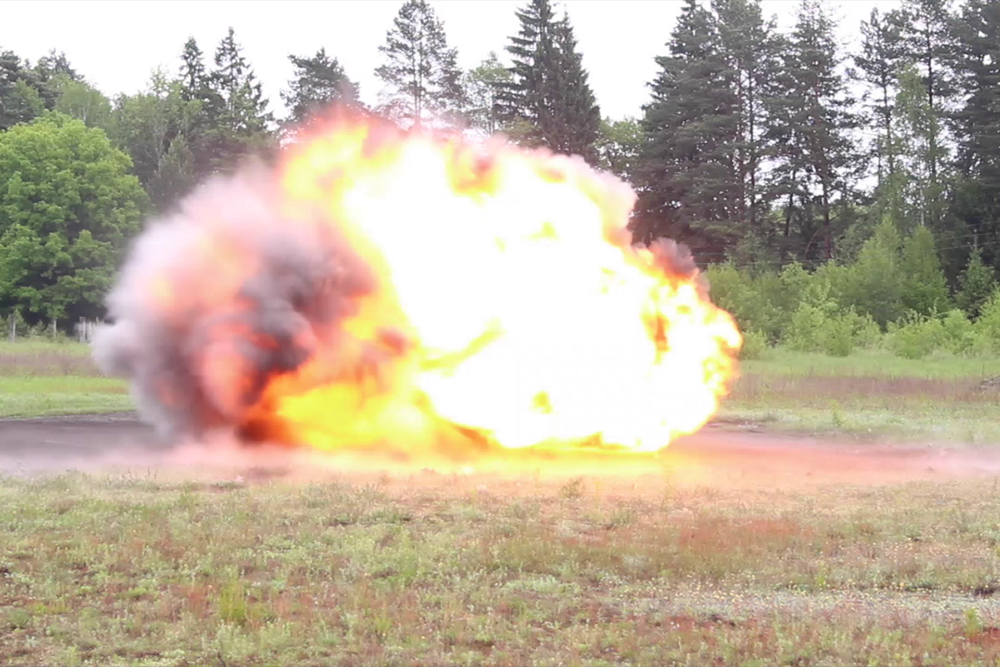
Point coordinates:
[[507, 299]]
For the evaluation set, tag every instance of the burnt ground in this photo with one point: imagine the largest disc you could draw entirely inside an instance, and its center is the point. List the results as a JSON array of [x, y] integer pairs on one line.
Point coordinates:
[[720, 454]]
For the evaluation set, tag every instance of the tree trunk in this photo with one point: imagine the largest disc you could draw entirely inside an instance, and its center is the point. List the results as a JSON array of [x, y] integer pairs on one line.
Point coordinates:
[[887, 117], [826, 222], [13, 325]]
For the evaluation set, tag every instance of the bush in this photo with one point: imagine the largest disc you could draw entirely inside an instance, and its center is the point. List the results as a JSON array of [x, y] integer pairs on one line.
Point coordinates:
[[805, 333], [824, 328], [755, 345], [915, 336], [986, 330], [959, 333]]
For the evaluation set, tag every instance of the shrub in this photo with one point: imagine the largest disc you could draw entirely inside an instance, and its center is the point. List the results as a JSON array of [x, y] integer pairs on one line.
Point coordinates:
[[959, 333], [824, 328], [916, 336], [875, 282], [755, 345], [805, 332], [986, 330]]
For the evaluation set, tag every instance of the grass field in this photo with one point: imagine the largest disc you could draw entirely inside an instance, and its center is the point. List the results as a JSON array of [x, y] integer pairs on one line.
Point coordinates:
[[163, 569], [441, 570], [39, 378], [866, 395]]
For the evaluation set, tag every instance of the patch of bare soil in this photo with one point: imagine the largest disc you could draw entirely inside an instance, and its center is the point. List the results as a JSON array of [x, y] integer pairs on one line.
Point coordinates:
[[720, 455]]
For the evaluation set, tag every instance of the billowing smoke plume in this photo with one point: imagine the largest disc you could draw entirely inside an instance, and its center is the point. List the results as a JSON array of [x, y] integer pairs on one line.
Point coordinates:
[[199, 359], [378, 282]]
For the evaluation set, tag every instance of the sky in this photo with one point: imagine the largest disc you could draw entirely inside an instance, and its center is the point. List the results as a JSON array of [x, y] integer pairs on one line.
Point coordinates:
[[116, 45]]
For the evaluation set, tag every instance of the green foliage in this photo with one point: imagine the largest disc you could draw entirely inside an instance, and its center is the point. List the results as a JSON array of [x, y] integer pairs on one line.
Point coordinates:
[[755, 345], [237, 122], [916, 336], [959, 331], [317, 83], [918, 128], [68, 209], [875, 283], [882, 51], [548, 100], [618, 147], [420, 70], [483, 89], [147, 126], [825, 328], [80, 100], [987, 327], [689, 127], [976, 284], [924, 288]]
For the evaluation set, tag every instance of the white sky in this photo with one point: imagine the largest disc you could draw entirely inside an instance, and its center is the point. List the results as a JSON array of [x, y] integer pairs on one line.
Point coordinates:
[[116, 45]]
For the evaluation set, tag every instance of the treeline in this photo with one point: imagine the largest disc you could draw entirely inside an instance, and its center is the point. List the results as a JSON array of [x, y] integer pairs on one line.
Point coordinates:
[[772, 151], [893, 296]]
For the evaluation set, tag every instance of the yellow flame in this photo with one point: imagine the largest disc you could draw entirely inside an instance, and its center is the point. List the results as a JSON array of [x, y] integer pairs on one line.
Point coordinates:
[[527, 319]]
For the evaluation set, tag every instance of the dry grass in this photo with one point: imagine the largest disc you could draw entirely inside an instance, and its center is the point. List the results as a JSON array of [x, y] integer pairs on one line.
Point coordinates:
[[39, 378], [432, 569], [871, 396], [49, 360]]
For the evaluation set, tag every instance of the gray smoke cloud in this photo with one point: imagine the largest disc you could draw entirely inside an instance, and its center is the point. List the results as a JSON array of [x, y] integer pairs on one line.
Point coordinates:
[[219, 296]]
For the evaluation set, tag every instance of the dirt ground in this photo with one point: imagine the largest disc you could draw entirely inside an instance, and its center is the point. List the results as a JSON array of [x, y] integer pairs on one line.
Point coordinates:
[[718, 455]]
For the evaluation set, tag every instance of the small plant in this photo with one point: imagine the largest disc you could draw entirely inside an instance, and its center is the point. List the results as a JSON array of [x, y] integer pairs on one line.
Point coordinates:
[[973, 623], [18, 619], [233, 606], [572, 489]]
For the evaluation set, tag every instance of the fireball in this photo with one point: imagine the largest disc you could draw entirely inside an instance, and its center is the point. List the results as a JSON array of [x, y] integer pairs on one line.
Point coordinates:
[[389, 289]]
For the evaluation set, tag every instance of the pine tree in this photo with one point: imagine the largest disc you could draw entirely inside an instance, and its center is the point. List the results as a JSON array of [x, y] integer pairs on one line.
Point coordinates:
[[690, 188], [928, 37], [882, 53], [750, 50], [175, 175], [197, 122], [574, 117], [50, 72], [236, 107], [522, 97], [20, 101], [977, 121], [192, 71], [317, 83], [421, 71], [812, 118], [548, 101]]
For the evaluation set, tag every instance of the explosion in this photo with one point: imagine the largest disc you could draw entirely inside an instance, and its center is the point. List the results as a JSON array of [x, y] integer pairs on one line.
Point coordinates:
[[382, 289]]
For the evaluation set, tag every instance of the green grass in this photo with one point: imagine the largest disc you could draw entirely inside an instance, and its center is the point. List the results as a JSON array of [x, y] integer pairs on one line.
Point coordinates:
[[870, 395], [41, 378], [863, 363], [47, 396], [865, 395], [432, 569]]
